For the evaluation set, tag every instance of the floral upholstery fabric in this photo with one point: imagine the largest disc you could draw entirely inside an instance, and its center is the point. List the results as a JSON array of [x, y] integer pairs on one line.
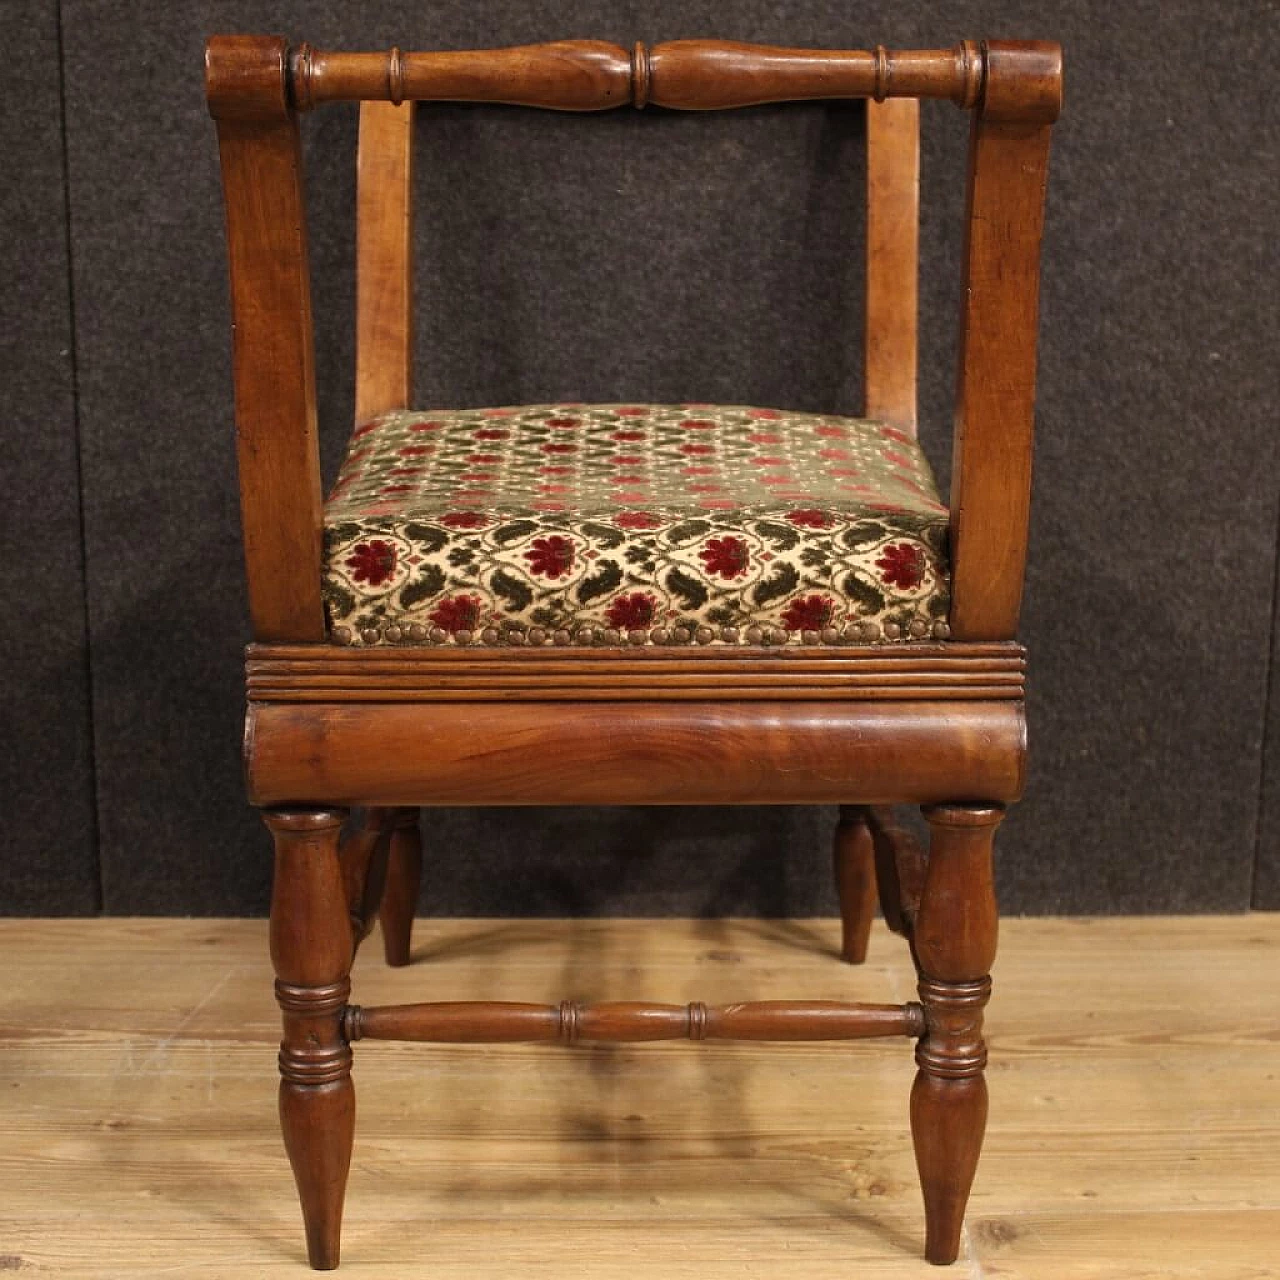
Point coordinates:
[[639, 524]]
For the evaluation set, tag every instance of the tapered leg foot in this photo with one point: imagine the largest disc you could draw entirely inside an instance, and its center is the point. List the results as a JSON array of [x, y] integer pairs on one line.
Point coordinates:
[[311, 947], [400, 896], [954, 941], [319, 1122], [948, 1120], [854, 863]]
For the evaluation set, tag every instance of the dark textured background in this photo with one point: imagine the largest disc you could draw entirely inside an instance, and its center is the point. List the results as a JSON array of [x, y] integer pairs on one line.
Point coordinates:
[[656, 257]]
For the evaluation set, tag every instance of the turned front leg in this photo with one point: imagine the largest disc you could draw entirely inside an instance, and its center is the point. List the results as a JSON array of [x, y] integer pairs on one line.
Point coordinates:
[[400, 894], [955, 947], [311, 948]]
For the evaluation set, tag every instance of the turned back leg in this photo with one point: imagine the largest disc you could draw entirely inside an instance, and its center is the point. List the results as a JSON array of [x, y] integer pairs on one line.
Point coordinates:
[[853, 858], [954, 945], [400, 894], [311, 948]]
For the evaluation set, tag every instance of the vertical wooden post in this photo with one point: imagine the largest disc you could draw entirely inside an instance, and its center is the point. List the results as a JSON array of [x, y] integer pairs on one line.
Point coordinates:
[[854, 859], [311, 949], [893, 237], [400, 894], [954, 947], [384, 259], [278, 448], [995, 394]]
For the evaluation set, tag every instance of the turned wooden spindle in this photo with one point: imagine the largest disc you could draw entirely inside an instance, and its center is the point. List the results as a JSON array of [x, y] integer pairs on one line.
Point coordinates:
[[311, 949], [853, 858], [400, 893], [627, 1022], [954, 947], [686, 75]]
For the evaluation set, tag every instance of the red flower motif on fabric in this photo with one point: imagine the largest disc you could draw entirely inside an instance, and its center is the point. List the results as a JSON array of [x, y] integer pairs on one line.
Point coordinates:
[[372, 562], [727, 557], [698, 424], [808, 613], [550, 557], [628, 460], [896, 458], [415, 450], [425, 426], [902, 565], [767, 414], [636, 520], [458, 613], [559, 448], [810, 518], [633, 411], [831, 433], [631, 612], [493, 433], [563, 422], [464, 520], [628, 435], [484, 458], [697, 448]]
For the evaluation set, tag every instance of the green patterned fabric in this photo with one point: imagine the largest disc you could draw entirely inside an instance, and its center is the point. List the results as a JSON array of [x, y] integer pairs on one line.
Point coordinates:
[[639, 524]]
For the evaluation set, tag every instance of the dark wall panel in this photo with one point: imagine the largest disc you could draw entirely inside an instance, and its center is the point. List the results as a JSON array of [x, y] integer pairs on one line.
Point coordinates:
[[1154, 527], [668, 257], [49, 863], [1266, 886]]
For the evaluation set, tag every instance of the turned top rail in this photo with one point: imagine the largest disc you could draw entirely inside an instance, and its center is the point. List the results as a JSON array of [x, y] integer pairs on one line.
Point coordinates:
[[253, 75]]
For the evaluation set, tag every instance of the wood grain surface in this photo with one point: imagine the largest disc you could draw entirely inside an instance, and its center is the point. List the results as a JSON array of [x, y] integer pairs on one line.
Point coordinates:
[[1133, 1134]]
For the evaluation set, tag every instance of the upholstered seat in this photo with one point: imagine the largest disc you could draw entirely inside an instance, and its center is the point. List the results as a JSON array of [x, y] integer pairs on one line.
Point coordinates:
[[648, 524]]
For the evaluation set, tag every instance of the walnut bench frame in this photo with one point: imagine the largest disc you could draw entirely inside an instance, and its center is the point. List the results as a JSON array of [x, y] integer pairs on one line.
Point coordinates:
[[864, 726]]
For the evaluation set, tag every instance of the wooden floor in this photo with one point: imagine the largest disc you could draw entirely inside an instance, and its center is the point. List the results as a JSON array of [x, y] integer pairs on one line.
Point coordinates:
[[1135, 1104]]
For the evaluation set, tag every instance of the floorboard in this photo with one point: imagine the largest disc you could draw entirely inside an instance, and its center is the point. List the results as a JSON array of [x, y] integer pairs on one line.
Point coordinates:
[[1135, 1125]]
